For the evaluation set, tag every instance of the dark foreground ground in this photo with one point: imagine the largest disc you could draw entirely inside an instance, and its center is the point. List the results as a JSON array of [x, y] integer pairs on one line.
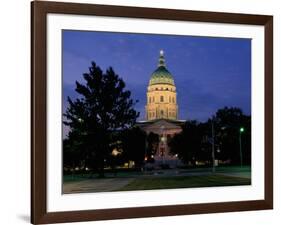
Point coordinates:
[[160, 179]]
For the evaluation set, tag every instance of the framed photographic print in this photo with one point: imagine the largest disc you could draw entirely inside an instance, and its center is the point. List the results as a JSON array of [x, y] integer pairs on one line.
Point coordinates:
[[143, 112]]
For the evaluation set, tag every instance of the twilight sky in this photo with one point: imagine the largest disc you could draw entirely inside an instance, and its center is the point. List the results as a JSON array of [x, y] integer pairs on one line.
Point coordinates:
[[209, 73]]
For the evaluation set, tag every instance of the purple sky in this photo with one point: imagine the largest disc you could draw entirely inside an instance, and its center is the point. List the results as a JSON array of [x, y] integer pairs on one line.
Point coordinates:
[[209, 73]]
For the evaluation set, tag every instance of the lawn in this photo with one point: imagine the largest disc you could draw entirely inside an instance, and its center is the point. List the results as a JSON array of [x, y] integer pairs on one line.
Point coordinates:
[[80, 177], [150, 183], [75, 177]]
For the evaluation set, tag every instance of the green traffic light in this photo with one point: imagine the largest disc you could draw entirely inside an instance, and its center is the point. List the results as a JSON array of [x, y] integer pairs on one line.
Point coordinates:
[[242, 129]]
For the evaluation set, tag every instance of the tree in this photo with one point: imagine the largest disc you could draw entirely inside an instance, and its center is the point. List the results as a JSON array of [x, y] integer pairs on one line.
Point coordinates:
[[152, 145], [133, 145], [104, 107], [195, 140], [71, 152], [228, 122], [187, 144]]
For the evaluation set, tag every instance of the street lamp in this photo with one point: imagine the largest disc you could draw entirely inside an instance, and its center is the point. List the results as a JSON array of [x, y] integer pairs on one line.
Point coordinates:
[[241, 130], [163, 143], [145, 153], [213, 145]]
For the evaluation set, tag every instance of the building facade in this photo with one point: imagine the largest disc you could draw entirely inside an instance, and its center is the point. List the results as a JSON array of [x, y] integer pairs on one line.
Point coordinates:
[[165, 129]]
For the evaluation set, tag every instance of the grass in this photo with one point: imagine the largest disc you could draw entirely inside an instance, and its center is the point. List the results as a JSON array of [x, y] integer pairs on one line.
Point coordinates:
[[150, 183], [75, 177], [80, 177]]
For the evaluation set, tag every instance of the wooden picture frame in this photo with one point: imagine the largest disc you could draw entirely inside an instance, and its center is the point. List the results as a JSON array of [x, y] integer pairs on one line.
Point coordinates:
[[40, 9]]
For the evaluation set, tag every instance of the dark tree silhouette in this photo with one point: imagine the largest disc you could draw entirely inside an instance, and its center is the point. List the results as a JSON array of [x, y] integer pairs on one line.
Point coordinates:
[[195, 140], [133, 145], [188, 143], [152, 145], [104, 108], [228, 122]]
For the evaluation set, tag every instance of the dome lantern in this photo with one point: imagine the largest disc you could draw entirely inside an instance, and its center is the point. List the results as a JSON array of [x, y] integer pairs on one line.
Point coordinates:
[[161, 59], [161, 75]]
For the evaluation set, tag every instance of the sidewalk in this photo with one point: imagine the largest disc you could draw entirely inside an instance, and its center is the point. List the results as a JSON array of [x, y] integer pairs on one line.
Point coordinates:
[[96, 185]]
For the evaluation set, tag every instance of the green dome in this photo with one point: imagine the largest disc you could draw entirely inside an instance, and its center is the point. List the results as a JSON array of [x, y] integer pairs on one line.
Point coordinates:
[[161, 75]]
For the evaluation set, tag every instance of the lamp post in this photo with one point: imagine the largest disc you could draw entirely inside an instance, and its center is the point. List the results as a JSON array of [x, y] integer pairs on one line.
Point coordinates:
[[241, 130], [213, 146], [162, 147], [145, 153]]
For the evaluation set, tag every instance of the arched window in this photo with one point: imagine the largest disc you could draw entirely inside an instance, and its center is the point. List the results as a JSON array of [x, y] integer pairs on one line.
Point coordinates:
[[161, 98], [169, 98], [173, 100], [149, 99], [162, 113], [153, 99]]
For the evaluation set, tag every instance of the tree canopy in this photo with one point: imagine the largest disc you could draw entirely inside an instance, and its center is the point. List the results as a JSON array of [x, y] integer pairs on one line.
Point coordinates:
[[188, 144], [103, 108], [133, 145], [195, 141]]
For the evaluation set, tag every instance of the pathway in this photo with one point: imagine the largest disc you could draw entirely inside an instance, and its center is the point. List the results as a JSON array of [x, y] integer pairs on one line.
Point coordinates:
[[96, 185]]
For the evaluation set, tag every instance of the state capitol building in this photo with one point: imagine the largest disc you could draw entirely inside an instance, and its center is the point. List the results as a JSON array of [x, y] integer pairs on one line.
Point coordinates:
[[162, 111]]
